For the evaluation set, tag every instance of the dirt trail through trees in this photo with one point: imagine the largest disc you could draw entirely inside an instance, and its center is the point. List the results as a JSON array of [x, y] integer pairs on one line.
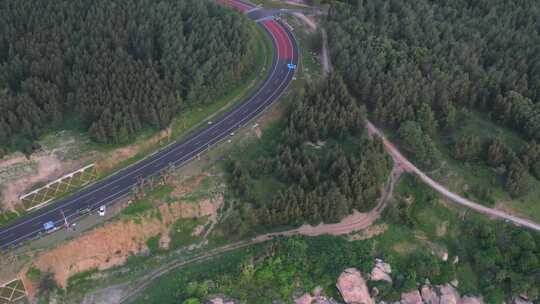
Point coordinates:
[[327, 65], [409, 167], [406, 165]]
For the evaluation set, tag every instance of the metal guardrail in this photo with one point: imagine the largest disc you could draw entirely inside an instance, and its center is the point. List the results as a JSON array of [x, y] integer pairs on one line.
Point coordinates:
[[12, 292], [45, 194]]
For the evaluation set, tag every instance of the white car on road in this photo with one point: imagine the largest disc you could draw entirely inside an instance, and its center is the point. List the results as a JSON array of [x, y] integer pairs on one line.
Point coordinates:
[[102, 210]]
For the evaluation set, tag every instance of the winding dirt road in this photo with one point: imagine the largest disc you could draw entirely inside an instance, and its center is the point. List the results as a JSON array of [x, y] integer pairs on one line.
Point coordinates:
[[409, 167]]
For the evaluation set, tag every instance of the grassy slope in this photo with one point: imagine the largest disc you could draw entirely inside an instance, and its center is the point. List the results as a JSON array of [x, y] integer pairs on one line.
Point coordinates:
[[460, 175]]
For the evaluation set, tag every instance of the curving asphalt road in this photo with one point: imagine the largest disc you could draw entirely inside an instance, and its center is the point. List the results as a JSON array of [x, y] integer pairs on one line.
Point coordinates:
[[117, 186]]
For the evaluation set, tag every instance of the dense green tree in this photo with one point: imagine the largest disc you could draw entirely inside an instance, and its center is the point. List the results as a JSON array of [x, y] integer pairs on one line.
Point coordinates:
[[507, 258], [447, 115], [327, 112], [410, 56], [430, 61], [114, 67], [418, 143], [516, 179], [426, 119], [467, 147], [497, 152], [240, 179], [319, 184], [530, 156]]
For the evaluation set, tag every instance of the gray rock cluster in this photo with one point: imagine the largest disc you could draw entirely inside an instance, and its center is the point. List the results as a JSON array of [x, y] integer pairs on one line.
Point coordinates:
[[354, 290]]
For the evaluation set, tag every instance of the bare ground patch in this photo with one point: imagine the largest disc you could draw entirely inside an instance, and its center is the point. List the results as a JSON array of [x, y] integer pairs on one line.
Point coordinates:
[[19, 174], [404, 247], [112, 244], [185, 187], [116, 156], [369, 232]]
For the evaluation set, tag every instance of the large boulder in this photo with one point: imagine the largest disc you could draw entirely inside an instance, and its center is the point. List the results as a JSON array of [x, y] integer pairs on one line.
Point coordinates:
[[305, 299], [219, 299], [317, 297], [353, 288], [411, 297], [449, 295], [520, 300], [381, 271], [429, 296]]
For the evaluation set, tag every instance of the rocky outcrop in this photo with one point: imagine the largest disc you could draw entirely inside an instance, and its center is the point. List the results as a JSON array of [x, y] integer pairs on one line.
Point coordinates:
[[353, 288], [444, 294], [305, 299], [411, 297], [448, 294], [220, 300], [316, 297], [381, 271], [520, 300], [309, 299], [429, 296]]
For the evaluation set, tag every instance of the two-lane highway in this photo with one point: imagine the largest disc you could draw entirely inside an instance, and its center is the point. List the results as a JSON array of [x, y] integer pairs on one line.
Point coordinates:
[[119, 185]]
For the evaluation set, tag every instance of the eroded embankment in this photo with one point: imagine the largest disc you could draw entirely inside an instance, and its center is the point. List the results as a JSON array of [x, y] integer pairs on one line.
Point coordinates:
[[111, 244]]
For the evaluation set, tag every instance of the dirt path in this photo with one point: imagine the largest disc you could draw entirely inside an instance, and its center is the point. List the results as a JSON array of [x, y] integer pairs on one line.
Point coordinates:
[[355, 222], [296, 2], [309, 22], [131, 294], [409, 167], [325, 57], [406, 165]]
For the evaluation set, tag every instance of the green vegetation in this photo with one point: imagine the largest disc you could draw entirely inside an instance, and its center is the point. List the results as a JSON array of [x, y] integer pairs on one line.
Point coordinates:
[[263, 273], [118, 77], [317, 165], [7, 217], [496, 171], [181, 232], [423, 224], [415, 78], [142, 205], [81, 282], [410, 67], [137, 207], [33, 274], [153, 244], [496, 260], [418, 144], [318, 168]]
